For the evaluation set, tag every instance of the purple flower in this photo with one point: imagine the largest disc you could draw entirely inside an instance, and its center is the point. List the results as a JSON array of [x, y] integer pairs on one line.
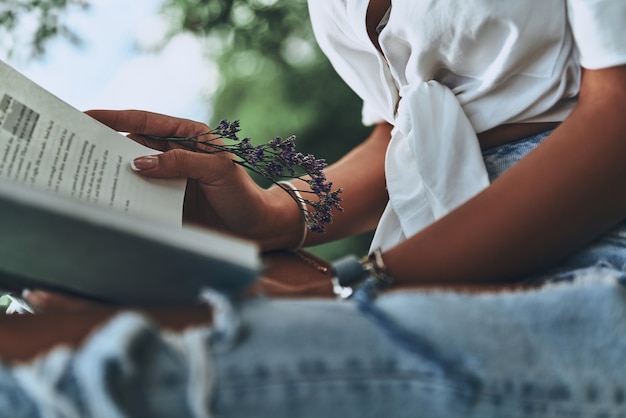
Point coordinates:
[[277, 160], [227, 130]]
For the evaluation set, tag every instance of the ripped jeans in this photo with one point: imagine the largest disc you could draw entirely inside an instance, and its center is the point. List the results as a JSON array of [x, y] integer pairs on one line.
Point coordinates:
[[557, 351]]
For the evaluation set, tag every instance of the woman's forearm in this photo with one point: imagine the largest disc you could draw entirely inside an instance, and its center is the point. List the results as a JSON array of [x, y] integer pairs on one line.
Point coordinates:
[[361, 176], [561, 196]]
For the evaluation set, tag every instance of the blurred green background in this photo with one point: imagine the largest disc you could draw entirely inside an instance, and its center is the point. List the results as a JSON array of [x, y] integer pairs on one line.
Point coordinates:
[[273, 77]]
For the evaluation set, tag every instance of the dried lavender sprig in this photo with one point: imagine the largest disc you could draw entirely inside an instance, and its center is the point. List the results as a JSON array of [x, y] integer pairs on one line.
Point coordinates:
[[275, 160]]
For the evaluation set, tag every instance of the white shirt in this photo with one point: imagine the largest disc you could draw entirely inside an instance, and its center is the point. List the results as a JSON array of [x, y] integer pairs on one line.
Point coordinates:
[[452, 68]]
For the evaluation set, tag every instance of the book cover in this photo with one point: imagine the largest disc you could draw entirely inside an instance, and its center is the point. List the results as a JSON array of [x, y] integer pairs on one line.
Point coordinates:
[[76, 219]]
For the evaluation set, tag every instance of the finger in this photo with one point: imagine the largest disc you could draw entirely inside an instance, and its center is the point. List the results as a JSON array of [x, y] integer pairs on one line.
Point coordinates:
[[277, 289], [164, 145], [206, 168], [49, 301], [147, 123], [150, 143]]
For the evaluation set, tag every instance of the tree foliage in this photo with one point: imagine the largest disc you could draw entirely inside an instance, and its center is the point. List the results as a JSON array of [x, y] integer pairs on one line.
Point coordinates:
[[274, 77], [44, 22]]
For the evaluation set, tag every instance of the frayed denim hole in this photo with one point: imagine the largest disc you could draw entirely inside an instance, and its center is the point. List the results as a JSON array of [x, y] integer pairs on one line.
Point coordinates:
[[226, 328], [619, 273], [603, 270]]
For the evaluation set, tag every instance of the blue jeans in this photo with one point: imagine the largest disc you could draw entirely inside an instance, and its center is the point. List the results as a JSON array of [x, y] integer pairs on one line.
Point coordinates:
[[557, 351]]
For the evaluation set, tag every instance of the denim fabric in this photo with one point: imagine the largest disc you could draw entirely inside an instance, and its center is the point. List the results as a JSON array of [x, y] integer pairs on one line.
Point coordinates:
[[501, 158], [127, 369], [556, 351]]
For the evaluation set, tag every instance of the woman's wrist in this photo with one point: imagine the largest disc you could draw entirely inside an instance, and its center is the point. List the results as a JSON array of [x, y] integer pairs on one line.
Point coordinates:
[[350, 273], [285, 228], [302, 204]]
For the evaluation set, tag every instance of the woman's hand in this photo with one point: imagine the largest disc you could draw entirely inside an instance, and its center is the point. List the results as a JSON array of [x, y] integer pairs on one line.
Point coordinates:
[[275, 288], [44, 301], [220, 194]]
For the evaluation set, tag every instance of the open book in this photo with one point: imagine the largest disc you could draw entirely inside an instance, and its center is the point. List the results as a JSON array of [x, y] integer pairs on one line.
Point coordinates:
[[75, 218]]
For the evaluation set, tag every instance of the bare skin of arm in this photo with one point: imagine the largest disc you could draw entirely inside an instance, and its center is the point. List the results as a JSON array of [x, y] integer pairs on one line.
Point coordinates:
[[557, 199], [361, 176], [221, 195], [560, 197]]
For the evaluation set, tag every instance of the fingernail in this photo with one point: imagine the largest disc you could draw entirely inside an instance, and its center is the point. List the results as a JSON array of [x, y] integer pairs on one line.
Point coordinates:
[[144, 163], [30, 296]]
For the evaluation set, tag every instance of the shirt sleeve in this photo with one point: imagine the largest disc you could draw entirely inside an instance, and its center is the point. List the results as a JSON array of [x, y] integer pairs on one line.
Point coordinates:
[[351, 58], [599, 29]]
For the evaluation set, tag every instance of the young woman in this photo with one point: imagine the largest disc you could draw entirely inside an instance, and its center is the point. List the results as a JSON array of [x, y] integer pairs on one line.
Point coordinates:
[[459, 93], [497, 157]]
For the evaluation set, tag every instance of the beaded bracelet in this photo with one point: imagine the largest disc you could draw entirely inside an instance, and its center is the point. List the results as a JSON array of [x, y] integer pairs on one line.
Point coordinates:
[[350, 273], [298, 198]]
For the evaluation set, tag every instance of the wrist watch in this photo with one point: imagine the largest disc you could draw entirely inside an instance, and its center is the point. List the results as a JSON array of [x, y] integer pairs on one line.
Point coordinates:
[[349, 273]]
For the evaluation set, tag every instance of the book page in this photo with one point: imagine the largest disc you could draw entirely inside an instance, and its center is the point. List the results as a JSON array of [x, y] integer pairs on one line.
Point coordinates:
[[47, 144]]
